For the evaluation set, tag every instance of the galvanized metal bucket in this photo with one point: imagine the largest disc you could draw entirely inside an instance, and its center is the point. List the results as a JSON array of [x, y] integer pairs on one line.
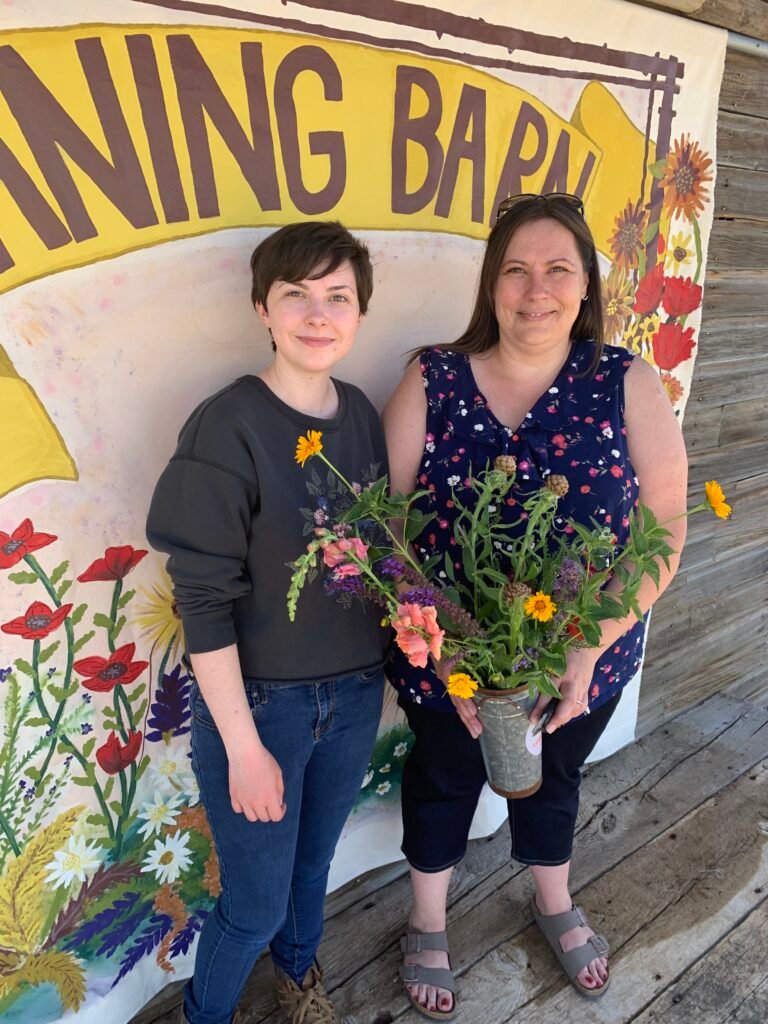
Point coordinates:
[[510, 745]]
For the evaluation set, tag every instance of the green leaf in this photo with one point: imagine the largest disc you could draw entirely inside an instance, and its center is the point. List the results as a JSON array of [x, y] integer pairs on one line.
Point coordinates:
[[651, 232], [88, 747], [653, 570], [117, 807], [139, 711], [63, 589], [37, 723], [25, 667], [62, 693], [22, 577], [78, 613], [658, 169], [101, 620], [143, 766], [48, 652], [83, 640], [109, 787], [82, 780], [58, 572], [126, 598], [118, 627], [135, 692], [96, 819]]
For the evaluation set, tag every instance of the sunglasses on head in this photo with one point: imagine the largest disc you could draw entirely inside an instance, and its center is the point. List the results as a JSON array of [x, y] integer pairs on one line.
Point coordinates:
[[564, 197]]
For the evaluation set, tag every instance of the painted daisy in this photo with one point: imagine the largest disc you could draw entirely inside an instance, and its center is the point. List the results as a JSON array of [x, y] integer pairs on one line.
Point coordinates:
[[161, 812], [77, 858], [168, 857]]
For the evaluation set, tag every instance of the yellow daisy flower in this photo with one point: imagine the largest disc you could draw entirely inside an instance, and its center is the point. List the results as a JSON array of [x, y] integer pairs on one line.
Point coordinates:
[[159, 619], [716, 499], [461, 685], [540, 606], [680, 252], [308, 446]]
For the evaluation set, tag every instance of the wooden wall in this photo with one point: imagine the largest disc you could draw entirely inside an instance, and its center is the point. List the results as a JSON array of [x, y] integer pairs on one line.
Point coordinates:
[[709, 632]]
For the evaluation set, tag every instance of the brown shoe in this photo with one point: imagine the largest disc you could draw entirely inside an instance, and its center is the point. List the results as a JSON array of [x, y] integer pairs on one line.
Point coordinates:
[[307, 1003]]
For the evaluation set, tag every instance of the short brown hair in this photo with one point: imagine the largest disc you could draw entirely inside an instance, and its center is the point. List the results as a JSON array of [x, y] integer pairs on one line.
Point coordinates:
[[307, 251], [482, 332]]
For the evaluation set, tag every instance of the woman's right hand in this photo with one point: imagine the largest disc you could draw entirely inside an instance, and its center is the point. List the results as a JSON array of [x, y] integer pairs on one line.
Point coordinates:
[[467, 710], [256, 784]]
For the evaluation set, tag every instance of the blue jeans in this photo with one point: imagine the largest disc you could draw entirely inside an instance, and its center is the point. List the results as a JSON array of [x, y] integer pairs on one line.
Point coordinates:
[[274, 874]]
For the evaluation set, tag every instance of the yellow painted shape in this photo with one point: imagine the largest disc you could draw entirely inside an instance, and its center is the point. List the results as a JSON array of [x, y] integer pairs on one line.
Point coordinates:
[[600, 117], [32, 448]]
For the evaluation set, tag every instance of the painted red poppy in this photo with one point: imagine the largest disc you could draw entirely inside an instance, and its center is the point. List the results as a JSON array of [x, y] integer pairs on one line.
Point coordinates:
[[104, 674], [649, 290], [113, 756], [17, 545], [115, 565], [37, 621], [672, 345], [681, 296]]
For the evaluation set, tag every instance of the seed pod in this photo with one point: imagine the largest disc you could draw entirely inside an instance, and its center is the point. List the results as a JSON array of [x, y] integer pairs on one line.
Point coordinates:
[[506, 464]]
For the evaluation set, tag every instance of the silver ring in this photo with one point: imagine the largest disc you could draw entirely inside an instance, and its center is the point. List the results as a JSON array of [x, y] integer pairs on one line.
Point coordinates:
[[579, 701]]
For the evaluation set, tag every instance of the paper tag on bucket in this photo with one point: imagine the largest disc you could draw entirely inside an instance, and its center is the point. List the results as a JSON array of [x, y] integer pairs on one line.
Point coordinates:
[[533, 741]]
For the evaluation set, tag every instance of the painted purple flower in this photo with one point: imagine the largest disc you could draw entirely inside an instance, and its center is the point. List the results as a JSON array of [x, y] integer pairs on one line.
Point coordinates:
[[170, 712]]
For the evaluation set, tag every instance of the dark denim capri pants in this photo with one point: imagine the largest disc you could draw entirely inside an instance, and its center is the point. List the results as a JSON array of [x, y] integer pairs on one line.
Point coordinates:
[[444, 775]]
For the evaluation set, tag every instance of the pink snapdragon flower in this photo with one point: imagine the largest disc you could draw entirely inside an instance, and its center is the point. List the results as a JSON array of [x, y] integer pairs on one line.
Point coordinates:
[[336, 555], [417, 633]]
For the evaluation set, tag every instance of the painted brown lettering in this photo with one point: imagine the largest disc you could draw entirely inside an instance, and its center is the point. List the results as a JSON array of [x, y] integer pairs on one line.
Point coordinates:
[[420, 130], [200, 94], [516, 167], [329, 144], [470, 118]]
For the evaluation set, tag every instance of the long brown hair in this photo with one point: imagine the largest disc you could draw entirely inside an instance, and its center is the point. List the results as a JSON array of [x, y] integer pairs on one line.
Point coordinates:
[[482, 331]]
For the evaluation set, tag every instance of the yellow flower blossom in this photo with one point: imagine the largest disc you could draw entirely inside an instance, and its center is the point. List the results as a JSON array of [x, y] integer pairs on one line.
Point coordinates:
[[461, 685], [540, 606], [308, 446], [716, 499]]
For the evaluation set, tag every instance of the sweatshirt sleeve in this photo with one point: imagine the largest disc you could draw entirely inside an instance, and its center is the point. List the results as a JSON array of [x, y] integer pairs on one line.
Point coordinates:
[[200, 514]]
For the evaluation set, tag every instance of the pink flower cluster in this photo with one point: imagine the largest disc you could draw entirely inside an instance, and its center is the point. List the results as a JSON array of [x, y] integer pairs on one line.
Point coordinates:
[[417, 633], [336, 555]]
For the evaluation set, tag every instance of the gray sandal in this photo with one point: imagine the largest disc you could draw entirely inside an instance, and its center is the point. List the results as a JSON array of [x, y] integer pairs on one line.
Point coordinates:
[[416, 974], [555, 925]]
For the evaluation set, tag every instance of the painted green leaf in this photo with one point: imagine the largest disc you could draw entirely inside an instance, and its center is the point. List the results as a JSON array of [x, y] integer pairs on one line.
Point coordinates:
[[48, 652], [658, 169], [88, 746], [25, 667], [61, 693], [22, 577], [58, 572], [126, 598], [63, 588], [78, 613], [102, 620], [83, 640]]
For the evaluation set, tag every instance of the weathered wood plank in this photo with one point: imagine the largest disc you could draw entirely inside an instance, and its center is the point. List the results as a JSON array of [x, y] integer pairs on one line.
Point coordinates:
[[742, 193], [747, 16], [628, 821], [745, 84], [732, 977], [724, 339], [736, 463], [736, 244], [737, 293], [703, 880], [741, 142]]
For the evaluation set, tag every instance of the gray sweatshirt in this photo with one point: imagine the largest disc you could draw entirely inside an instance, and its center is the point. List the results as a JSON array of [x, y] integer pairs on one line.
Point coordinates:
[[233, 508]]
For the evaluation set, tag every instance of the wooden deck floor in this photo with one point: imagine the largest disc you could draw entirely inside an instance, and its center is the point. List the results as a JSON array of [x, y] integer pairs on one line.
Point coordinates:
[[671, 864]]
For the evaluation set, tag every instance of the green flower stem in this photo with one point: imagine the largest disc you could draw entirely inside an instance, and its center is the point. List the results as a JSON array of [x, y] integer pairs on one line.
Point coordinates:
[[123, 816], [70, 634], [116, 592], [697, 241], [9, 834], [164, 662], [65, 740], [119, 714]]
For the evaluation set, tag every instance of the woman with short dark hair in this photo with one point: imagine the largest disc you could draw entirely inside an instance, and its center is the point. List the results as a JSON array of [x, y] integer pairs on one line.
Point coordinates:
[[284, 716], [530, 377]]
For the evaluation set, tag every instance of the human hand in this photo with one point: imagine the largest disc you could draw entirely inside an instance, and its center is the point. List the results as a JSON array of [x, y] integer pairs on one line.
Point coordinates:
[[256, 784], [574, 689], [466, 708]]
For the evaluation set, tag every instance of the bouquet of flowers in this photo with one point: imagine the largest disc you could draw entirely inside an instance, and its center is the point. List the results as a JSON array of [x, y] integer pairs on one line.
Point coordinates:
[[526, 592]]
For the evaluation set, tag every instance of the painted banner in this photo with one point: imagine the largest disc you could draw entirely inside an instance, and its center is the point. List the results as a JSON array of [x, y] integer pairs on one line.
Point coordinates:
[[146, 146]]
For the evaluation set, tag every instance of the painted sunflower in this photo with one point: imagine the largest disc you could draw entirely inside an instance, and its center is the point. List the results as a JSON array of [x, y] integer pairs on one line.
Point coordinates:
[[617, 302], [681, 252], [628, 239], [685, 178]]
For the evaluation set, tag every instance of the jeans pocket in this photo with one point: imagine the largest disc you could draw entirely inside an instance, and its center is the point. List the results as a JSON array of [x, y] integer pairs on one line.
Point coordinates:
[[257, 695], [370, 674]]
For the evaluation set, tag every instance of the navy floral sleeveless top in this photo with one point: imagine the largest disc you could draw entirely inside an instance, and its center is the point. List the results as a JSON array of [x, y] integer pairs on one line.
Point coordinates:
[[576, 429]]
